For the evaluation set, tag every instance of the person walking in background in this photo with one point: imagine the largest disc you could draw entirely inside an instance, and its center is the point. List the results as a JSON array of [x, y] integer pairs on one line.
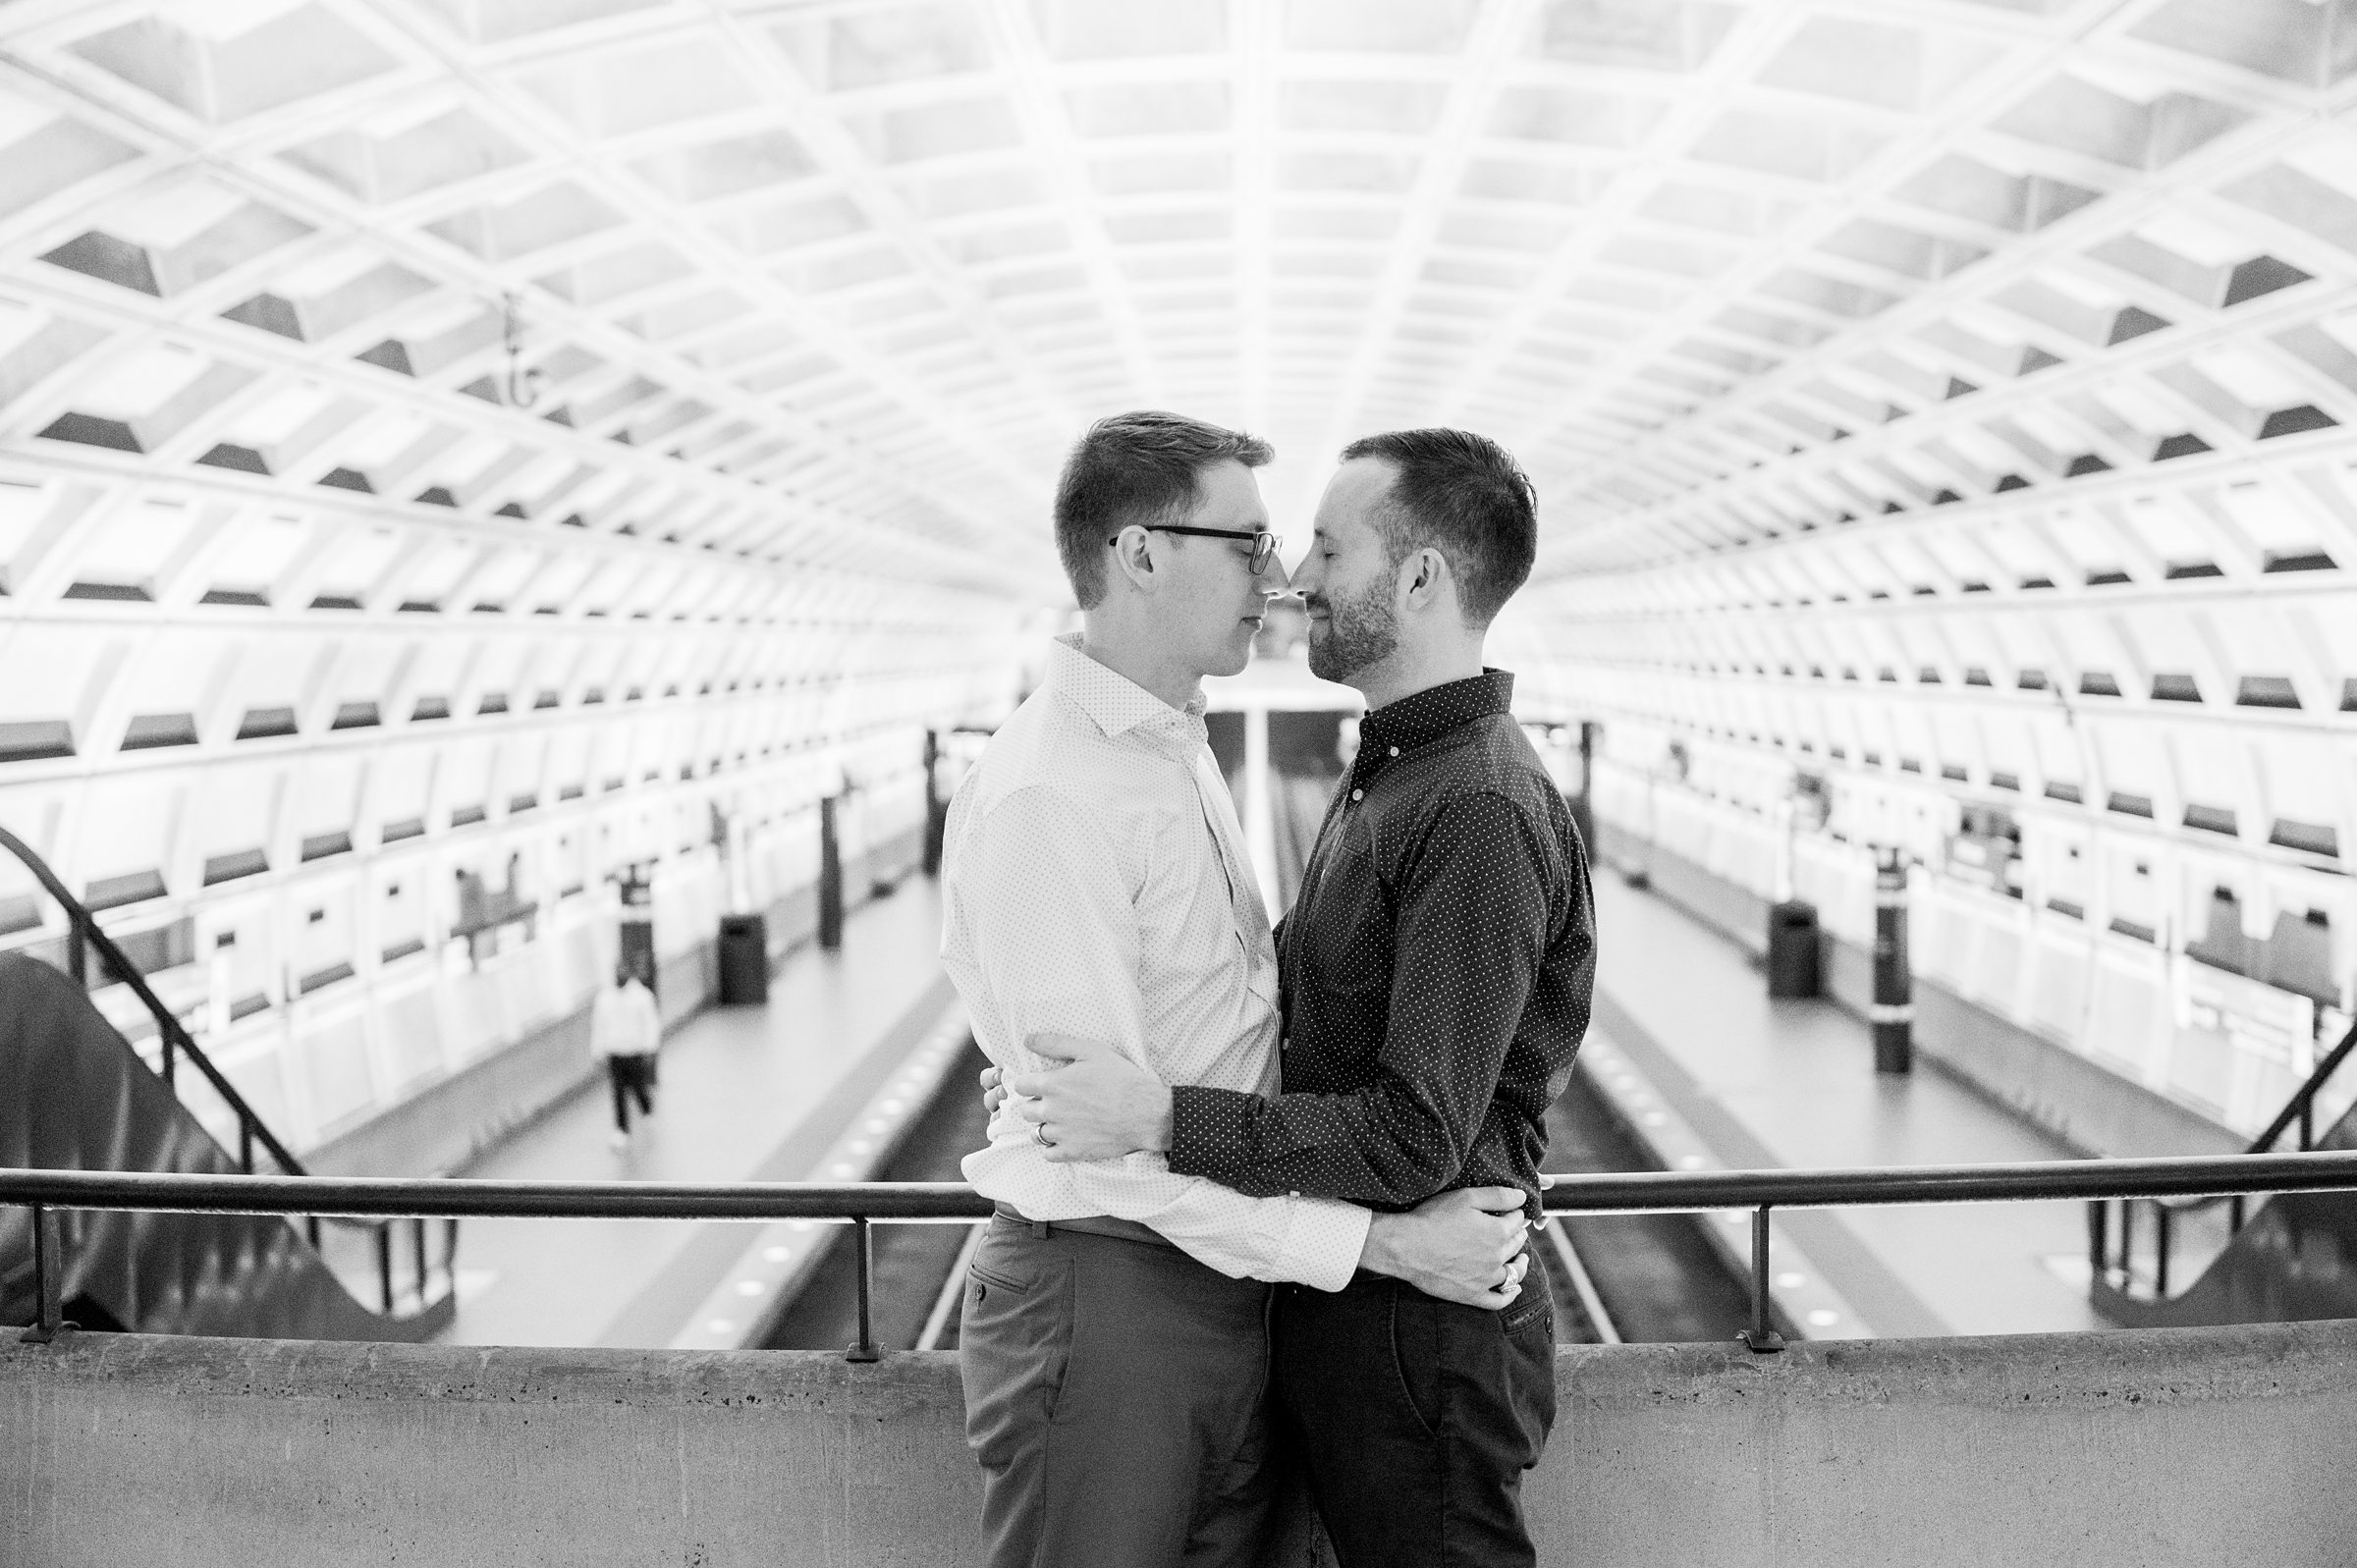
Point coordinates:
[[625, 1029]]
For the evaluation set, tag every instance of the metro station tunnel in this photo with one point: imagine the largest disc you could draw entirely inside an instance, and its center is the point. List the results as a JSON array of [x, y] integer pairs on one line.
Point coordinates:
[[514, 512]]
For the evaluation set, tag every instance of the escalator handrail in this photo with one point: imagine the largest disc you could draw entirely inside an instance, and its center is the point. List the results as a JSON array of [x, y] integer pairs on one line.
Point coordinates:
[[83, 927], [2265, 1143], [2305, 1095]]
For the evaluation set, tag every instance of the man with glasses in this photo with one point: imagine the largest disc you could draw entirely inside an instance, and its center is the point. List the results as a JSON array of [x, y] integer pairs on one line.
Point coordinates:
[[1113, 1341]]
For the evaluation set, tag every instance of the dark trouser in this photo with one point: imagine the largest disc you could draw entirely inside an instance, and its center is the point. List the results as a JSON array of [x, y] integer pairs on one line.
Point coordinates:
[[632, 1078], [1114, 1396], [1415, 1419]]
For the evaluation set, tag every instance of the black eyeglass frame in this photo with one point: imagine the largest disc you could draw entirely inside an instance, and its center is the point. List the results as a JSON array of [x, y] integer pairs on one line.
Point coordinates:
[[1265, 544]]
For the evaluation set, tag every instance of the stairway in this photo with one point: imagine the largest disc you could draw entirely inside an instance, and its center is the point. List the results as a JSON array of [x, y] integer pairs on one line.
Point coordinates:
[[76, 1096], [2295, 1260]]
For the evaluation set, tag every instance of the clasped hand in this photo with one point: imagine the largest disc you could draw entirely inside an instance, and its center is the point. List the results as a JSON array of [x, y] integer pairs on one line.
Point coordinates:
[[1468, 1246], [1092, 1103]]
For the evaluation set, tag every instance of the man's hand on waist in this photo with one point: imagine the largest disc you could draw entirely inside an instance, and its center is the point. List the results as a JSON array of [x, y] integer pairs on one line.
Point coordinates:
[[1094, 1103], [1465, 1245]]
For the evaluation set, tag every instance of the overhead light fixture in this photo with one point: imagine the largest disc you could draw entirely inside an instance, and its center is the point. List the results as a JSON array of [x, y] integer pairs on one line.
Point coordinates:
[[523, 387]]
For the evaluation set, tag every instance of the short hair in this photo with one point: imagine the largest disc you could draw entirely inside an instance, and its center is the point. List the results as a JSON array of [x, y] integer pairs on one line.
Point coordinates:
[[1135, 467], [1466, 496]]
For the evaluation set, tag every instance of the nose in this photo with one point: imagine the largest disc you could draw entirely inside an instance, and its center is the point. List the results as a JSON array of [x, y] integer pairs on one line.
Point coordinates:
[[1273, 580], [1304, 579]]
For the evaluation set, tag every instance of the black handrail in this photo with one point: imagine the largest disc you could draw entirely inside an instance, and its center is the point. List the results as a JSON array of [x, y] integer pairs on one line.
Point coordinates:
[[2301, 1106], [82, 926], [1636, 1191], [1587, 1192]]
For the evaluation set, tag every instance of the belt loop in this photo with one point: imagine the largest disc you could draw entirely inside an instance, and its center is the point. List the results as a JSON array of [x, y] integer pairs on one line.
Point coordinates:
[[1039, 1229]]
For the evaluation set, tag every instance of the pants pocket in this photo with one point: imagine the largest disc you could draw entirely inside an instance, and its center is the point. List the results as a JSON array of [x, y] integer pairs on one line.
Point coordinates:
[[1013, 1346], [1416, 1359], [1535, 1306]]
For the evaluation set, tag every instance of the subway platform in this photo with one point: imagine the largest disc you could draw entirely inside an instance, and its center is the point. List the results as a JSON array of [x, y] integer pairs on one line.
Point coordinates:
[[812, 1086], [1711, 1073]]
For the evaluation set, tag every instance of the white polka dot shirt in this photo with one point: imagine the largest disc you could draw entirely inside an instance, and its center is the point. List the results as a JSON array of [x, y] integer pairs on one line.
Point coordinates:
[[1439, 966], [1093, 885]]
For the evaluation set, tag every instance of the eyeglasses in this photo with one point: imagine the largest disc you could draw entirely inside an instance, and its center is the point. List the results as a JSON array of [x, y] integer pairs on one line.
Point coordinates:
[[1265, 545]]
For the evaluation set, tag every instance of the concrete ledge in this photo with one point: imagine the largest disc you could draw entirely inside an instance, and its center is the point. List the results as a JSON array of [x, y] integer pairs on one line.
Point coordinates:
[[2209, 1445]]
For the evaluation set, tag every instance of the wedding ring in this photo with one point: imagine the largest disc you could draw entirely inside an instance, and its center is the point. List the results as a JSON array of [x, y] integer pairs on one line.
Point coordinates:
[[1039, 1135]]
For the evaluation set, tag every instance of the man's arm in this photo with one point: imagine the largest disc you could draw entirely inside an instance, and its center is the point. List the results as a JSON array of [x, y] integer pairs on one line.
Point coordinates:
[[1471, 1233], [1468, 939]]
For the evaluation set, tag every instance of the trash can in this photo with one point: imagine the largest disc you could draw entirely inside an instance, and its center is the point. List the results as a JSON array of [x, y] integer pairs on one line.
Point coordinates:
[[743, 961], [1792, 950]]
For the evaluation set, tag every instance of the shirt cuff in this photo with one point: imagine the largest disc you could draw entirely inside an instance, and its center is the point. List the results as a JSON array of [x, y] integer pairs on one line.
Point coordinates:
[[1325, 1240], [1209, 1135]]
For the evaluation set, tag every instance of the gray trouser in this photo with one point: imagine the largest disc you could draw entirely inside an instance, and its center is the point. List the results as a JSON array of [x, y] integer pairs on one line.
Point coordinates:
[[1113, 1395]]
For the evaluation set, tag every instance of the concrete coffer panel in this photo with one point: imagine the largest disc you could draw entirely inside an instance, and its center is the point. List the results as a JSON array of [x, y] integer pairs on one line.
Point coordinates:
[[2209, 1446]]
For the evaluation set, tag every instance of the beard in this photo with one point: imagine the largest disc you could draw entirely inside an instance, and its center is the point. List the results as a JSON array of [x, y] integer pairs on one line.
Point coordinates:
[[1360, 629]]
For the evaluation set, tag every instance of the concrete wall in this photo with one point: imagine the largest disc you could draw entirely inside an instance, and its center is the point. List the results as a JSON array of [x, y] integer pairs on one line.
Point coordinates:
[[2210, 1446]]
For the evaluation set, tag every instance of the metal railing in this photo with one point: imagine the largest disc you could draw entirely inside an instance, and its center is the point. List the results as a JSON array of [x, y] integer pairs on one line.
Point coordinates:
[[84, 935], [2110, 1245], [863, 1205]]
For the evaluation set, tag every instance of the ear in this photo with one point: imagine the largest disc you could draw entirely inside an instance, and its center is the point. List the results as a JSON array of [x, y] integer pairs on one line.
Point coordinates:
[[1133, 557], [1424, 579]]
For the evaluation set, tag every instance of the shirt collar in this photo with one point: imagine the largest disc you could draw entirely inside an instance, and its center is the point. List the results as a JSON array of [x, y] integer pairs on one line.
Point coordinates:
[[1423, 717], [1113, 701]]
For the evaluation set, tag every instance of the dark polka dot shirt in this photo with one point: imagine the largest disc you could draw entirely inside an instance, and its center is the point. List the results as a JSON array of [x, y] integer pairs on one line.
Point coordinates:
[[1437, 968]]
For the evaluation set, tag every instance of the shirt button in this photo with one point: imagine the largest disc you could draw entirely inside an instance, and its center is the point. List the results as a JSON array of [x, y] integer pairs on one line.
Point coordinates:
[[1358, 795], [1395, 751], [1296, 1195]]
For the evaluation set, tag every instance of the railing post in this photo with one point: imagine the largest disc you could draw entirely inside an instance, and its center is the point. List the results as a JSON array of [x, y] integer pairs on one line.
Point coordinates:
[[2163, 1217], [2234, 1214], [48, 1276], [246, 1144], [172, 1061], [1761, 1337], [2307, 1121], [417, 1235], [863, 1244], [1893, 1012], [830, 874], [937, 813], [2127, 1243], [2099, 1228], [384, 1263]]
